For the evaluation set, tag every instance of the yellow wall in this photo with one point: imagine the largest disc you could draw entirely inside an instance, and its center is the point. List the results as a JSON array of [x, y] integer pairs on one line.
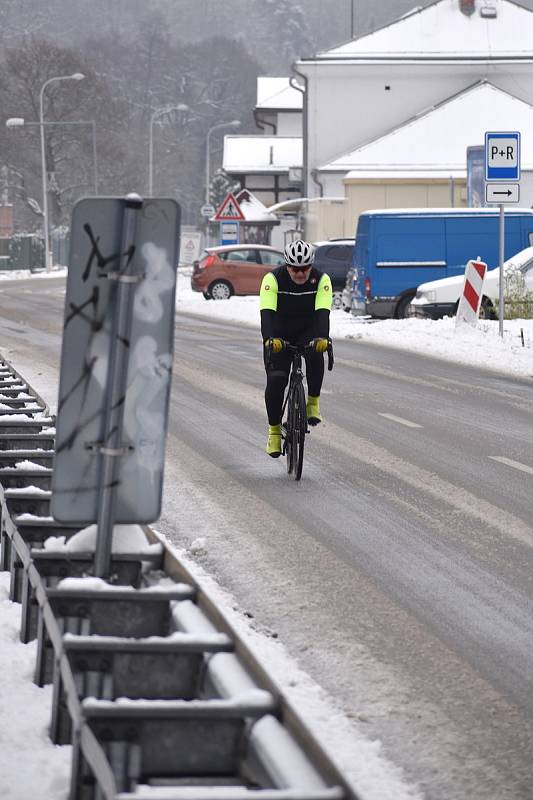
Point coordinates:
[[328, 219], [363, 196]]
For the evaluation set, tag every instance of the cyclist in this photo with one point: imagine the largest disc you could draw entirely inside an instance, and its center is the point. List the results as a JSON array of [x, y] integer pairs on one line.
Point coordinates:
[[295, 301]]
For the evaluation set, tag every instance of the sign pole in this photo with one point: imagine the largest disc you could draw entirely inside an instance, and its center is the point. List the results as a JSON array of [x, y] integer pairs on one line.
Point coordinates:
[[502, 163], [112, 447], [502, 257]]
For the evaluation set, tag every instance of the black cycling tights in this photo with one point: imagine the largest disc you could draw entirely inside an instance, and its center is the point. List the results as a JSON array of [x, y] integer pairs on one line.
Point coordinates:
[[278, 377]]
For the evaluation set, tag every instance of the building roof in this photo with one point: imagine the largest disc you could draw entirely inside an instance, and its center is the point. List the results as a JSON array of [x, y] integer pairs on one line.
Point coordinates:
[[277, 94], [257, 154], [441, 30], [434, 142]]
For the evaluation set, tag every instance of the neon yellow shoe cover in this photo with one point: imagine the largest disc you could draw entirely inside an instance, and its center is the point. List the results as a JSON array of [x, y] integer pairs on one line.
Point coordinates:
[[313, 410], [273, 447]]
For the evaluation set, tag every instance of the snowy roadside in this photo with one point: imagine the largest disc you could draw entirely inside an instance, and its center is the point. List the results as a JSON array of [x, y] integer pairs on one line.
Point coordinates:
[[361, 760], [25, 274], [478, 347], [30, 765]]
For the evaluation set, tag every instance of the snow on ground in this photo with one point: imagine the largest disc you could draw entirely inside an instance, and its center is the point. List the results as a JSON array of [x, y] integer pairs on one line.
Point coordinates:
[[30, 765], [24, 274], [361, 760], [479, 347]]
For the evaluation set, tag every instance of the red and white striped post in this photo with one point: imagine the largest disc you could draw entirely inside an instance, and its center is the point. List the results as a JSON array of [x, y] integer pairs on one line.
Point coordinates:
[[470, 300]]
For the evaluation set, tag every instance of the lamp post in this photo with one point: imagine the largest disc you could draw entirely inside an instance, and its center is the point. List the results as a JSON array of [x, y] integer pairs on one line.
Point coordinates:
[[76, 76], [159, 112], [19, 122], [235, 123]]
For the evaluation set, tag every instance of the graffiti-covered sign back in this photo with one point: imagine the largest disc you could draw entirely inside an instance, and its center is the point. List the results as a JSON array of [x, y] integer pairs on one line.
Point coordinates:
[[103, 283]]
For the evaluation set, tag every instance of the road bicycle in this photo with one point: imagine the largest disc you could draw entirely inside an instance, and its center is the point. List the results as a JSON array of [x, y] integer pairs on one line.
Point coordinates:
[[294, 427]]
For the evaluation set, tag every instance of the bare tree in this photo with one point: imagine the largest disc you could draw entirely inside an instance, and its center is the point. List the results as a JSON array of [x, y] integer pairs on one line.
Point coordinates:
[[69, 148]]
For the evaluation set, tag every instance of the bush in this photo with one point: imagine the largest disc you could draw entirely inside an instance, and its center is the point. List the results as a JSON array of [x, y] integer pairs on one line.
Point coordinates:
[[518, 300]]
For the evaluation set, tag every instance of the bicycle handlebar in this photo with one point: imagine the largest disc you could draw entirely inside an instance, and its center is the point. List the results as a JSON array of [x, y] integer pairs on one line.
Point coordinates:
[[295, 348]]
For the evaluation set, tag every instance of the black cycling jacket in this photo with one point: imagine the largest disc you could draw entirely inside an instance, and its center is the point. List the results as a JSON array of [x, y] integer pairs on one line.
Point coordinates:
[[295, 312]]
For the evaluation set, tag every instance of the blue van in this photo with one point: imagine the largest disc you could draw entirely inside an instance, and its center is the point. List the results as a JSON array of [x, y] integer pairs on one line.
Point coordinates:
[[397, 250]]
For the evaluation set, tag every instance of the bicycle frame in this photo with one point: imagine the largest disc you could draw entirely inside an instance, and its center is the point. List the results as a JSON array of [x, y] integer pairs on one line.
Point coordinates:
[[295, 425], [294, 429], [296, 374]]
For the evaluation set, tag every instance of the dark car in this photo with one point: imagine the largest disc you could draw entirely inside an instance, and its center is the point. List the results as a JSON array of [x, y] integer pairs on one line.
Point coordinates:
[[233, 269], [335, 258]]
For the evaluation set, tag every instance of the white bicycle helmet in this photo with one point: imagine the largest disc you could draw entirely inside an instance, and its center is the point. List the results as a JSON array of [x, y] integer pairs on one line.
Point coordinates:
[[299, 254]]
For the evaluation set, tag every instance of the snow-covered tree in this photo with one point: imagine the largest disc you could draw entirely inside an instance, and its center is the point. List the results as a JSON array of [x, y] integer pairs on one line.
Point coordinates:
[[285, 27], [220, 186]]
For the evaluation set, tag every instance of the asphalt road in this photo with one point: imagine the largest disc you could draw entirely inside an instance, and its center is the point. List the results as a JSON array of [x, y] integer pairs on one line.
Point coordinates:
[[399, 571]]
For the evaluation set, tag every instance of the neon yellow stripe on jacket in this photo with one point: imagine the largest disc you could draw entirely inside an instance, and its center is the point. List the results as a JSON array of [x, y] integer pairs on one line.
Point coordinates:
[[268, 296], [324, 294]]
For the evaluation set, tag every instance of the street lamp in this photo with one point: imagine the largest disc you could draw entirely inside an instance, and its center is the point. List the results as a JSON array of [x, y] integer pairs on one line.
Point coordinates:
[[159, 112], [235, 123], [76, 76], [19, 122]]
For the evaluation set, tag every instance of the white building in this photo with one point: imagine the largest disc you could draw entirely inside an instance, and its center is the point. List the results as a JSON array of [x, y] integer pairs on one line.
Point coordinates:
[[270, 164], [362, 90], [279, 107], [264, 165], [422, 163]]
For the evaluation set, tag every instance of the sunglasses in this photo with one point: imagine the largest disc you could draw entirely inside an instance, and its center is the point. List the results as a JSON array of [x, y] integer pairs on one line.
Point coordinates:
[[299, 269]]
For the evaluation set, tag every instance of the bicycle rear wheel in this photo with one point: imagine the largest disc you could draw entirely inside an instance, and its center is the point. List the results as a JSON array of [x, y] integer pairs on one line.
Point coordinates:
[[299, 430]]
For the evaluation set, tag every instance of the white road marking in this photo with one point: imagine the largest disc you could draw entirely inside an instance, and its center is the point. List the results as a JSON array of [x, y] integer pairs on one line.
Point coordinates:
[[401, 420], [511, 463]]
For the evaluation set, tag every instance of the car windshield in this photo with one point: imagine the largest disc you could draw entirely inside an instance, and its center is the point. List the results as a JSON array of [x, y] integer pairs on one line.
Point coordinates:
[[522, 261], [527, 265]]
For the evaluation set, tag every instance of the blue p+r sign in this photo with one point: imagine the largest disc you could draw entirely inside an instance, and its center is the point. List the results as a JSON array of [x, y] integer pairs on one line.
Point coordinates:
[[502, 156]]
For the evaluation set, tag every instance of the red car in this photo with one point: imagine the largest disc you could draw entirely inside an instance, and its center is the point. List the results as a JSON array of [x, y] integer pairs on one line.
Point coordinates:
[[233, 269]]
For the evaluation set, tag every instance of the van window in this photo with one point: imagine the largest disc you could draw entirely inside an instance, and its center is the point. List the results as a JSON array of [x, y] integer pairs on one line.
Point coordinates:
[[360, 253]]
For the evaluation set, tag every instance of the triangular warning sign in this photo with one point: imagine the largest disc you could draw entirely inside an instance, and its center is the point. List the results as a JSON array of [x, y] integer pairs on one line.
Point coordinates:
[[230, 209]]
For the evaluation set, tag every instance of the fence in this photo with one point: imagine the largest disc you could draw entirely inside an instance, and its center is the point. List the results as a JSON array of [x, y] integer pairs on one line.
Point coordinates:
[[22, 251], [158, 695]]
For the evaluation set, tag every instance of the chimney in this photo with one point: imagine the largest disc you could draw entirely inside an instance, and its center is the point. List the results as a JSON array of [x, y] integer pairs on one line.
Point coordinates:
[[468, 7]]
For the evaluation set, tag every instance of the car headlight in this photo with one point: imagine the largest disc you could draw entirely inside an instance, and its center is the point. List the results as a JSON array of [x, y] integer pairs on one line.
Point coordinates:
[[428, 297]]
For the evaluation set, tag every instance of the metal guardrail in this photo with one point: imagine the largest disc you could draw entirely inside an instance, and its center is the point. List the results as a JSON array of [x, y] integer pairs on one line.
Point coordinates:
[[157, 693]]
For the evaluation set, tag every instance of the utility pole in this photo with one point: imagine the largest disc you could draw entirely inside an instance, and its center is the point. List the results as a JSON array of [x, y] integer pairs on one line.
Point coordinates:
[[5, 185], [352, 19]]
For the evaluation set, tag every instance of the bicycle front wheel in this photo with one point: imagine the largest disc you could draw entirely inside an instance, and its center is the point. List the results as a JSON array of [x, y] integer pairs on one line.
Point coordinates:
[[289, 427], [299, 430]]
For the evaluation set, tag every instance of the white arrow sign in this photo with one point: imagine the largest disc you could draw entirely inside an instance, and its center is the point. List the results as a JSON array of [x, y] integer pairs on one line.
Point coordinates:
[[502, 192]]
